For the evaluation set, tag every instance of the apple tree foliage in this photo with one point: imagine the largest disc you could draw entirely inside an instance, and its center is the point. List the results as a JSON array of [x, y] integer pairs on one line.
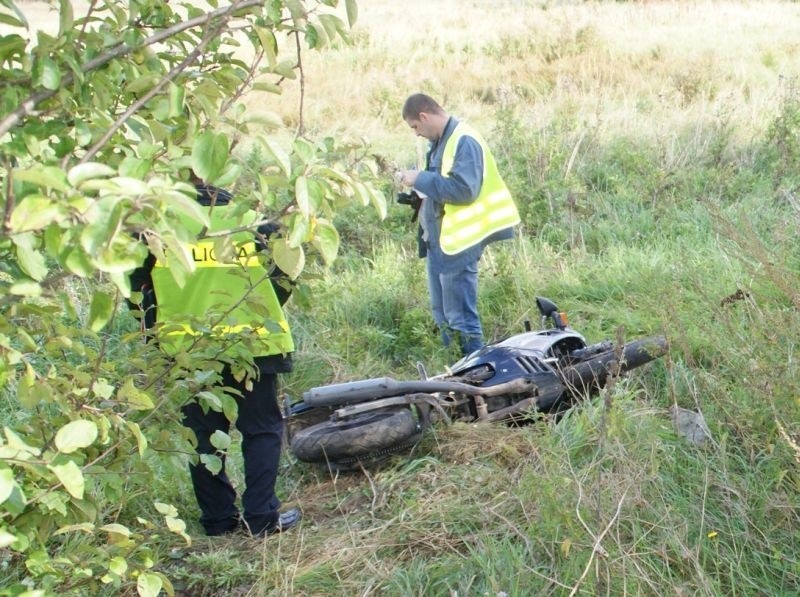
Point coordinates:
[[104, 109]]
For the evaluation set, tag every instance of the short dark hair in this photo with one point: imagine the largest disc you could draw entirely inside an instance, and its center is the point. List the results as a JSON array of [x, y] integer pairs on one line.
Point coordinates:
[[418, 103]]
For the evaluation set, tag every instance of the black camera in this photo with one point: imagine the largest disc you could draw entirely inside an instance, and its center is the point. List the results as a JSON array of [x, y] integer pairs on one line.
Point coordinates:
[[411, 199]]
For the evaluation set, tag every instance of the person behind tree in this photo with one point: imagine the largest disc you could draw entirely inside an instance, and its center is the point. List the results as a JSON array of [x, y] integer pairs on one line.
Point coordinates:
[[218, 286], [465, 205]]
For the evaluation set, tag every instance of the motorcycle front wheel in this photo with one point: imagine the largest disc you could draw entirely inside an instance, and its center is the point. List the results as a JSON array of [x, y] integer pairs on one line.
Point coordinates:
[[365, 436], [590, 373]]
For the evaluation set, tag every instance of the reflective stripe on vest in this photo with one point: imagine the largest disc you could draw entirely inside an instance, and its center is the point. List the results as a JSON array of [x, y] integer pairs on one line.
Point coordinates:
[[464, 226]]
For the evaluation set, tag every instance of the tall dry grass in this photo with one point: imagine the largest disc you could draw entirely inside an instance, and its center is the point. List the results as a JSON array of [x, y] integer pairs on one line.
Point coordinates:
[[648, 68]]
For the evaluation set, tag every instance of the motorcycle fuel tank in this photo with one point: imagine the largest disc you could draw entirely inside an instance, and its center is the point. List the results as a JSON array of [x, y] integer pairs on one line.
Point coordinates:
[[531, 355]]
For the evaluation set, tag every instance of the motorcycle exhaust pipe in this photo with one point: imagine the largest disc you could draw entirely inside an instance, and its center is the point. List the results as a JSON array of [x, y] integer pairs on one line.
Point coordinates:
[[385, 387]]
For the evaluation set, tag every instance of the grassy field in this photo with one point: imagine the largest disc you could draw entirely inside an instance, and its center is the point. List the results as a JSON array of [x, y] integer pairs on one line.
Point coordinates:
[[654, 150]]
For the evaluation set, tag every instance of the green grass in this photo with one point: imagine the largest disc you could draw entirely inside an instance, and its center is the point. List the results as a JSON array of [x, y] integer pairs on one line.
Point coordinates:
[[612, 499], [654, 155]]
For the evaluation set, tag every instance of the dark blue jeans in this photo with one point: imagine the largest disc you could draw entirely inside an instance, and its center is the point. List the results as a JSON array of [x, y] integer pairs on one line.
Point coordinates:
[[454, 303], [261, 424]]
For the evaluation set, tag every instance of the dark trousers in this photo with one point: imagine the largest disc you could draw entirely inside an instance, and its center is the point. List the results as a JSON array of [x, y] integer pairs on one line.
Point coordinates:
[[261, 425]]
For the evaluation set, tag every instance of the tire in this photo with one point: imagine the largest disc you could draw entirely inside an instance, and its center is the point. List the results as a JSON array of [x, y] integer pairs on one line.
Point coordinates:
[[363, 436], [592, 373]]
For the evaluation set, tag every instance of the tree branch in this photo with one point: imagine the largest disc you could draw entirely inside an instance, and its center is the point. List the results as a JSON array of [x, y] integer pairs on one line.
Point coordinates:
[[29, 104], [300, 125], [193, 55]]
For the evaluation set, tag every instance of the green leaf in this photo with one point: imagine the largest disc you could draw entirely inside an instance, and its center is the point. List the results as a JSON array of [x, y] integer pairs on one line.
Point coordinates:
[[43, 176], [83, 527], [101, 310], [320, 35], [9, 20], [102, 389], [268, 120], [362, 193], [332, 25], [378, 202], [304, 150], [141, 440], [25, 288], [212, 462], [326, 241], [17, 445], [278, 155], [268, 87], [134, 397], [32, 262], [27, 395], [334, 174], [220, 440], [7, 484], [13, 6], [290, 260], [209, 155], [116, 529], [301, 195], [210, 400], [149, 584], [75, 435], [286, 68], [352, 12], [65, 17], [82, 172], [134, 167], [268, 43], [166, 509], [229, 407], [34, 212], [6, 538], [118, 565], [230, 175], [297, 10], [299, 227], [140, 85], [77, 261], [176, 98], [11, 46], [121, 256], [70, 475], [186, 205], [177, 526], [49, 76]]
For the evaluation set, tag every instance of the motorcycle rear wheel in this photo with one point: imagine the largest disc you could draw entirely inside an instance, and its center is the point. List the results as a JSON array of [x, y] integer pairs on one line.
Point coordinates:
[[363, 436]]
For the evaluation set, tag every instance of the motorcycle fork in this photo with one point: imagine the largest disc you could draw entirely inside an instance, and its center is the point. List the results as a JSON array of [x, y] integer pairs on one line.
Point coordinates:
[[480, 407]]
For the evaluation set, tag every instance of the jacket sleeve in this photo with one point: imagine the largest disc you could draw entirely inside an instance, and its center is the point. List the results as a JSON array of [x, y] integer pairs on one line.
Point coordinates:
[[462, 184]]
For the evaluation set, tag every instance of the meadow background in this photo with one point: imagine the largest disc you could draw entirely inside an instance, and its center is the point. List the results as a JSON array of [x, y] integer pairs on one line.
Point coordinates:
[[654, 151]]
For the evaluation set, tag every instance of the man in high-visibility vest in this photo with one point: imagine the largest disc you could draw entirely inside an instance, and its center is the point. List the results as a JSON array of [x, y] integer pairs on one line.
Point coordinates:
[[217, 296], [464, 206]]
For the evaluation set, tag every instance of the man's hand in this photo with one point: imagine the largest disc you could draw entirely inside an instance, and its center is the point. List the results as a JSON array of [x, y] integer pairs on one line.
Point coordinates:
[[407, 177]]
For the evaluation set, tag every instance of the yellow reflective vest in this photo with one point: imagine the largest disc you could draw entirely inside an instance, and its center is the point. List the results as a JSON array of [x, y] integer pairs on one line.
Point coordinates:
[[226, 296], [464, 226]]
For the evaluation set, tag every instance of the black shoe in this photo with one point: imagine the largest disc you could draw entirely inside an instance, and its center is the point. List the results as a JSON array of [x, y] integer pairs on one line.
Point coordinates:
[[286, 520]]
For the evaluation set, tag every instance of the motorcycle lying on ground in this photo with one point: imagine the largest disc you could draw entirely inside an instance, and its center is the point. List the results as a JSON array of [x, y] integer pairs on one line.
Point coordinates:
[[347, 425]]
